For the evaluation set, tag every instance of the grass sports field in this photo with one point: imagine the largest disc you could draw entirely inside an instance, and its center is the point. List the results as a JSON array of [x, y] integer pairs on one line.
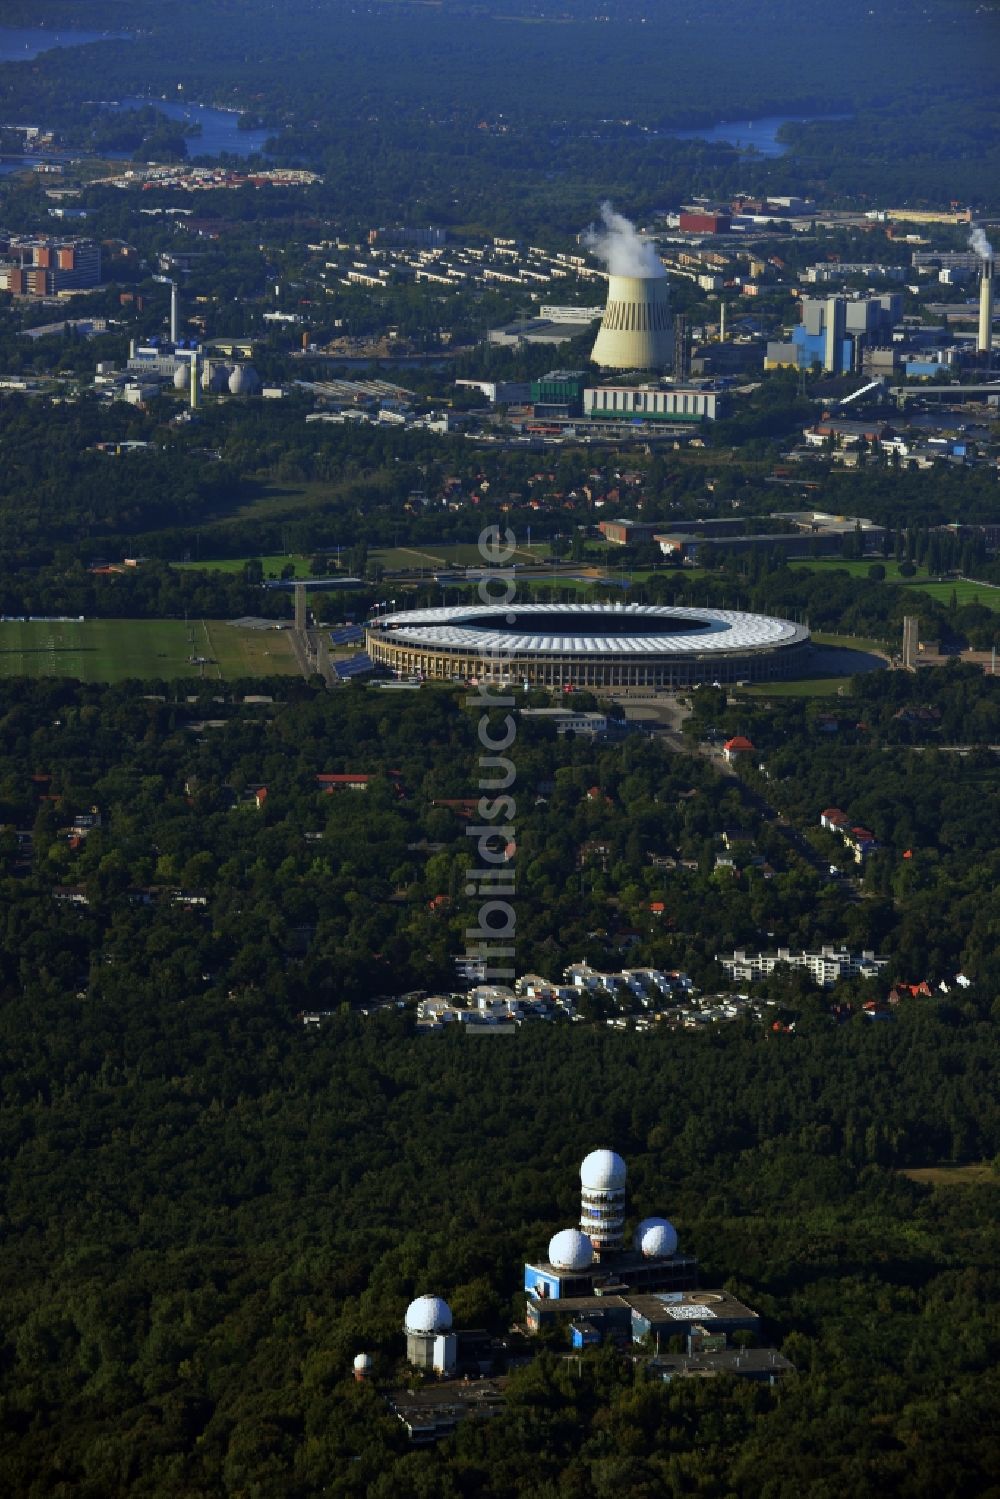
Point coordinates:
[[965, 592], [110, 650], [800, 687], [429, 558]]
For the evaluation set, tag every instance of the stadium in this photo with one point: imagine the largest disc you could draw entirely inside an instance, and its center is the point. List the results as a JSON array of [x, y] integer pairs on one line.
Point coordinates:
[[588, 645]]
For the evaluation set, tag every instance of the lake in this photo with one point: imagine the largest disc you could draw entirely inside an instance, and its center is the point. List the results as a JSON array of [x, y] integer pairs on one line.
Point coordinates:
[[219, 127], [22, 43], [760, 135]]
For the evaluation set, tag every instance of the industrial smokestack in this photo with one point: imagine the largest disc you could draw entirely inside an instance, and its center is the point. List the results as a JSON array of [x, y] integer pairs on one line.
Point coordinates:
[[983, 248], [194, 379], [984, 343], [636, 332], [173, 312]]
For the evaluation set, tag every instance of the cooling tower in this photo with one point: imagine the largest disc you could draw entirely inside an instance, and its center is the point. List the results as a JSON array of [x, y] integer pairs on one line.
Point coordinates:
[[984, 343], [636, 332]]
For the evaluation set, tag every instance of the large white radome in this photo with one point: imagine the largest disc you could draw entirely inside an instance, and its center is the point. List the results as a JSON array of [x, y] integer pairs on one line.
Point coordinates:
[[603, 1171], [656, 1238], [571, 1250], [427, 1315]]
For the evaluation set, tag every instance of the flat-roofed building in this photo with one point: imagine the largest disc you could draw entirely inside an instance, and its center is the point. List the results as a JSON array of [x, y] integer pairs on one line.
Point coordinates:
[[688, 403]]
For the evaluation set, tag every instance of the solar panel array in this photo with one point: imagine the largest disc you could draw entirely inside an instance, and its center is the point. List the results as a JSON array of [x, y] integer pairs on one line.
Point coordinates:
[[347, 635], [354, 666]]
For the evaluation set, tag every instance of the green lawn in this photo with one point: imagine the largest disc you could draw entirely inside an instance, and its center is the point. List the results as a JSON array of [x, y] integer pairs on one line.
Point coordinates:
[[856, 569], [272, 565], [849, 642], [979, 1174], [965, 592], [110, 650], [922, 581], [429, 557], [803, 687]]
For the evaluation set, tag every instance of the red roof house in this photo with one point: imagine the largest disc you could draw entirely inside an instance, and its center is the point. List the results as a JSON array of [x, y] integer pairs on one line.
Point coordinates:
[[738, 745]]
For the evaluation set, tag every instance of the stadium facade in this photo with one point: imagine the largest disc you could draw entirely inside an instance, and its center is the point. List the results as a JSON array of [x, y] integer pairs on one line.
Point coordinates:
[[588, 645]]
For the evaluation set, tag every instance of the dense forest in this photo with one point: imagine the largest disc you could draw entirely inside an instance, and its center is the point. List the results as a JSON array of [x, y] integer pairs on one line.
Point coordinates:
[[208, 1208], [207, 1212], [422, 91]]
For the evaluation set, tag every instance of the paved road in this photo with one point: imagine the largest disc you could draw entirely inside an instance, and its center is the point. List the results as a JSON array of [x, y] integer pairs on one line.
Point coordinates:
[[797, 841], [301, 653], [665, 716]]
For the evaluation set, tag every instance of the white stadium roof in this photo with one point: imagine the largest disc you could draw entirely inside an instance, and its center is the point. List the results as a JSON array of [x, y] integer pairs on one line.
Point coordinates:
[[469, 628]]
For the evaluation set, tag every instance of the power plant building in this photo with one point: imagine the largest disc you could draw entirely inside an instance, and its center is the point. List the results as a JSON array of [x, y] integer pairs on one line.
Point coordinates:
[[835, 331], [636, 332], [655, 403]]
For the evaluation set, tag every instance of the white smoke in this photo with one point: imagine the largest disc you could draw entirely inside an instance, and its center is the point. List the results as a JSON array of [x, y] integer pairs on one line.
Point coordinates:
[[979, 243], [617, 242]]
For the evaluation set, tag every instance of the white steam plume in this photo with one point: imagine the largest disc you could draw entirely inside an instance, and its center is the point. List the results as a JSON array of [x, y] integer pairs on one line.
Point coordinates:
[[617, 242], [979, 243]]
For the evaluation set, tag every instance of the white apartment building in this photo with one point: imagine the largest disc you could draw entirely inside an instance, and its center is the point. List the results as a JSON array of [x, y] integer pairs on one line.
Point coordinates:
[[827, 966]]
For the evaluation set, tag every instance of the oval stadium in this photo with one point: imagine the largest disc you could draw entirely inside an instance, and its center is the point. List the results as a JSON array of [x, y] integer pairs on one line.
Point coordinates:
[[588, 645]]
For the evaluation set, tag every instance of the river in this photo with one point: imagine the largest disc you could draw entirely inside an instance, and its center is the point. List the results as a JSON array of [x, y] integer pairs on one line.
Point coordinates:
[[22, 43], [760, 136], [220, 130]]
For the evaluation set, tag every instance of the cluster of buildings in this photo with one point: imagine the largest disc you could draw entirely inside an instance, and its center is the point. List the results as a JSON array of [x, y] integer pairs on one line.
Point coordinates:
[[206, 179], [424, 254], [340, 402], [48, 265], [802, 533], [564, 402], [863, 333], [635, 991], [639, 1294], [860, 841], [181, 365], [827, 967], [639, 999], [834, 332]]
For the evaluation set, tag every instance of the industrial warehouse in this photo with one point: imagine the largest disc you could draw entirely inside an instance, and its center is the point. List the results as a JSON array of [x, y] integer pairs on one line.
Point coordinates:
[[564, 646]]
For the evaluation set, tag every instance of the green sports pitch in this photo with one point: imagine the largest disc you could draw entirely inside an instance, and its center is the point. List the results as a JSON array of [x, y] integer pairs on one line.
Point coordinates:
[[112, 650]]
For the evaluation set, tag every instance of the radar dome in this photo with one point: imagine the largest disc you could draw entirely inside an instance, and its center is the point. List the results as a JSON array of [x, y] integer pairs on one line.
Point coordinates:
[[244, 381], [181, 378], [603, 1171], [428, 1315], [656, 1238], [363, 1363], [571, 1250]]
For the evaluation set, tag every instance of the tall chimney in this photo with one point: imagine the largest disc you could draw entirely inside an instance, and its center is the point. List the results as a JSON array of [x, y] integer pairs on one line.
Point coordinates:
[[173, 312], [195, 364], [985, 341]]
